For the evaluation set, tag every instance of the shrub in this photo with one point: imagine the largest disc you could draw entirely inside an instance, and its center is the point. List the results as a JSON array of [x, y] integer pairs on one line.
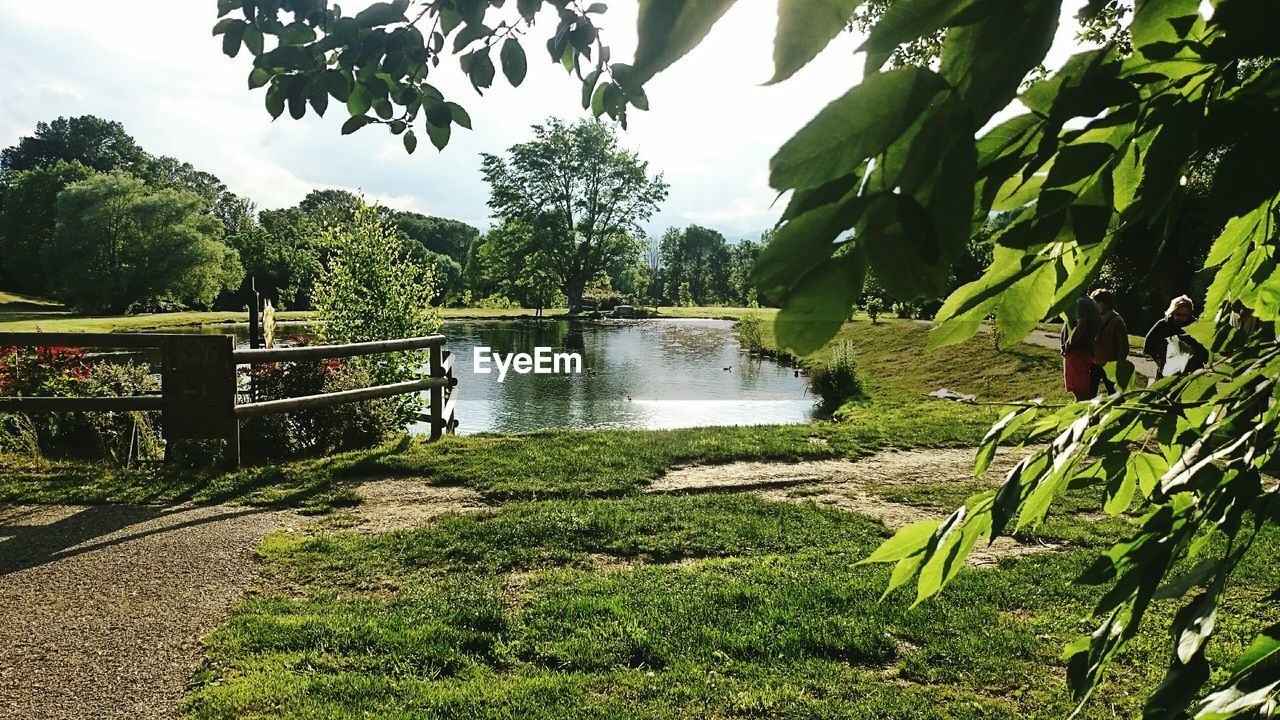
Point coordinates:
[[497, 302], [374, 291], [836, 380], [874, 307], [66, 372], [751, 332], [604, 298], [315, 432]]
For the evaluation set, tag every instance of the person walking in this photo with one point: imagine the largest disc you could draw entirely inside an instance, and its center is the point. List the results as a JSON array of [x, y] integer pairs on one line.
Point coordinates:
[[1078, 335], [1169, 345], [1112, 343]]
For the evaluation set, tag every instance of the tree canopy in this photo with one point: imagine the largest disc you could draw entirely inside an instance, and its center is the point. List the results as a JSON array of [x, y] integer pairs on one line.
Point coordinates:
[[581, 196], [119, 245]]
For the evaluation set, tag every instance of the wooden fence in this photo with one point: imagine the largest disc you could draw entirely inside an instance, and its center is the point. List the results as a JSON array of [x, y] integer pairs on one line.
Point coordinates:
[[199, 384]]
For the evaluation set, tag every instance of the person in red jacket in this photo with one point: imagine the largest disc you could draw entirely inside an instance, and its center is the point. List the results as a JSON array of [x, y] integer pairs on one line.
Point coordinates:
[[1078, 335]]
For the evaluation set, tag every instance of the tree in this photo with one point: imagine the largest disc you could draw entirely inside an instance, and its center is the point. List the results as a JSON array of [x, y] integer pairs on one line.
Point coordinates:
[[119, 246], [284, 251], [170, 172], [582, 196], [95, 143], [27, 200], [508, 262], [372, 291], [439, 235], [700, 259], [328, 207]]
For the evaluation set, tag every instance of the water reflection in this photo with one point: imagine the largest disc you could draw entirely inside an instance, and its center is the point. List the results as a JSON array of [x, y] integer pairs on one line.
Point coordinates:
[[656, 374]]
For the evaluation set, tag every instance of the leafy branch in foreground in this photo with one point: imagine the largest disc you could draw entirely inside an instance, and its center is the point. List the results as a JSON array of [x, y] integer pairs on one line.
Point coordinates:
[[377, 61]]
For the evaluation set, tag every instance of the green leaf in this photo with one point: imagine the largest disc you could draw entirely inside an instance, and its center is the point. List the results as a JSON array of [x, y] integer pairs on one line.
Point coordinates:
[[668, 29], [514, 64], [360, 100], [1147, 469], [277, 94], [987, 60], [459, 115], [481, 71], [1167, 21], [816, 308], [908, 541], [805, 27], [410, 142], [439, 135], [1007, 425], [858, 125], [355, 123], [232, 37], [253, 40], [1022, 306], [258, 78], [383, 13], [803, 243]]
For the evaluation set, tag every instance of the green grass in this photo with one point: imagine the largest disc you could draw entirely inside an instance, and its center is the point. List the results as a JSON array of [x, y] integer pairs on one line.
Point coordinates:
[[130, 323], [508, 614]]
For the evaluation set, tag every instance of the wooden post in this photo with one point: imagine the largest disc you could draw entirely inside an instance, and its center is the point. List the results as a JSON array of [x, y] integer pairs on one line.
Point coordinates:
[[437, 393]]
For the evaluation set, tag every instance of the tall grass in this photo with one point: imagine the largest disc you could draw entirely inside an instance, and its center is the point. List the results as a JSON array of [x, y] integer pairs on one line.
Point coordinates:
[[836, 380]]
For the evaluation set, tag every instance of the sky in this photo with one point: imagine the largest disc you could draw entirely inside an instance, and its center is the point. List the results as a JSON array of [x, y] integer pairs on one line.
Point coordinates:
[[154, 66]]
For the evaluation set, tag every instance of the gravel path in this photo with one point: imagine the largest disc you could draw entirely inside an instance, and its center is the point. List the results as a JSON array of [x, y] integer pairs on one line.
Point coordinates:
[[102, 608]]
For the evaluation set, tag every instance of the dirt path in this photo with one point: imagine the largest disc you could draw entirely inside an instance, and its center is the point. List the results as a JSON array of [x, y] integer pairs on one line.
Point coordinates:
[[856, 486], [102, 608]]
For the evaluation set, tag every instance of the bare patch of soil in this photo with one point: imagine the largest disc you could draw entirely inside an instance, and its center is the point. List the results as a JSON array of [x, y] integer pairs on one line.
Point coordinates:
[[404, 504], [851, 485]]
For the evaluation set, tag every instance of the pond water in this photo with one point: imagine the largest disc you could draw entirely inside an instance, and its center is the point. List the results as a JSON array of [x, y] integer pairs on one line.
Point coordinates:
[[644, 374], [636, 374]]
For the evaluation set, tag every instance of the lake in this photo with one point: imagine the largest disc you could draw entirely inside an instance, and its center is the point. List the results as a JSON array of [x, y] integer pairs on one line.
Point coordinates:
[[647, 374]]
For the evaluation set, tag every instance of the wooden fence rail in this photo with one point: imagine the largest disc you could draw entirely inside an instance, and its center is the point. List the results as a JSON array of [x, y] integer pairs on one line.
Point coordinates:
[[199, 383]]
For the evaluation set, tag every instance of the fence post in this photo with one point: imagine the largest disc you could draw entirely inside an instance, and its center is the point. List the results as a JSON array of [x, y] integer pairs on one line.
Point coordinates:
[[437, 393]]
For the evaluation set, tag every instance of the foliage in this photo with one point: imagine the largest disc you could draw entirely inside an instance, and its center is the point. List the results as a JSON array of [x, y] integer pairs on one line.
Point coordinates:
[[874, 307], [377, 62], [27, 201], [373, 291], [98, 144], [315, 432], [283, 250], [438, 235], [510, 262], [578, 195], [1101, 152], [835, 380], [67, 372], [119, 245], [751, 332]]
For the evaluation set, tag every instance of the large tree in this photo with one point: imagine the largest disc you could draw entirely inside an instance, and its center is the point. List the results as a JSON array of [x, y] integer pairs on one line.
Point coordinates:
[[120, 246], [437, 234], [698, 260], [96, 143], [582, 194]]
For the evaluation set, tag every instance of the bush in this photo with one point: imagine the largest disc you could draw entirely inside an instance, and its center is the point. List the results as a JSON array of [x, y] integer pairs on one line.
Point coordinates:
[[67, 372], [497, 302], [836, 381], [874, 307], [751, 332], [604, 298], [315, 432]]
